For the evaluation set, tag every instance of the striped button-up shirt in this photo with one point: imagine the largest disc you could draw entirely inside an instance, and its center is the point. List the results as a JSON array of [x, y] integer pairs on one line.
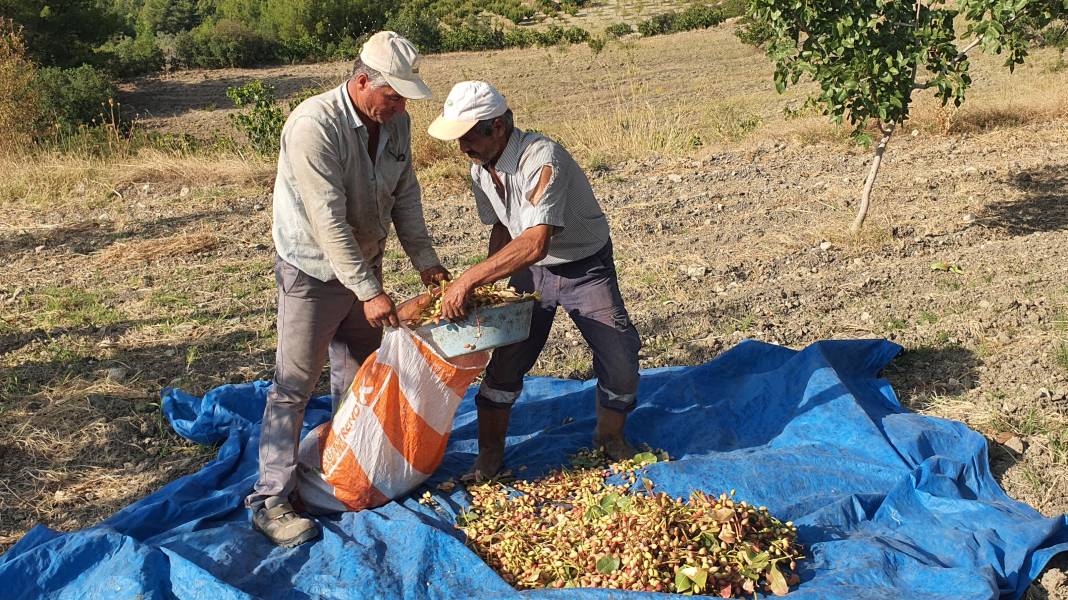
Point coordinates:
[[568, 203]]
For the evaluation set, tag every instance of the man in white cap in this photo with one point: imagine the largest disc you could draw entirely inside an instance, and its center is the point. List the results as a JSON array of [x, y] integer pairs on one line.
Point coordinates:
[[344, 177], [550, 235]]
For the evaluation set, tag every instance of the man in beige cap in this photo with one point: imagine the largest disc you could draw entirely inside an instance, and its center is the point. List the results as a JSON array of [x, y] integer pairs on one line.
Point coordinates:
[[550, 235], [344, 177]]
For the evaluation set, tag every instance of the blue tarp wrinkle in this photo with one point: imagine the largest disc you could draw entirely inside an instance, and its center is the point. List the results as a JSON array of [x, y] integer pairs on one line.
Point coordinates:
[[888, 503]]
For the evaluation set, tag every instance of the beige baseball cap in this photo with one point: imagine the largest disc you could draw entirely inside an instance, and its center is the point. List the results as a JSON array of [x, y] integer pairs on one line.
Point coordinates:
[[397, 60], [468, 103]]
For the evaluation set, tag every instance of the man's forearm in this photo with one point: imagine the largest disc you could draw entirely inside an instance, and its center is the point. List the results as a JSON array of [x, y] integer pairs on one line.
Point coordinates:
[[352, 269], [518, 254]]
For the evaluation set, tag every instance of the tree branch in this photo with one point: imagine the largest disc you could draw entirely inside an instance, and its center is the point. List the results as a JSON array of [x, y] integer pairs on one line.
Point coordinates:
[[966, 50]]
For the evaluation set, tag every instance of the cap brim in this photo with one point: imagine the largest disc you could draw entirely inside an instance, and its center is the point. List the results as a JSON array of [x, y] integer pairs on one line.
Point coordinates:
[[448, 129], [412, 89]]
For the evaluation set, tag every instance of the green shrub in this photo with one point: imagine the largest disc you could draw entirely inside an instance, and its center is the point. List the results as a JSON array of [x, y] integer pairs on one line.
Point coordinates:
[[512, 10], [520, 37], [168, 16], [552, 7], [225, 43], [554, 34], [548, 7], [349, 48], [575, 35], [301, 49], [63, 33], [753, 31], [596, 44], [572, 7], [657, 25], [72, 97], [733, 8], [127, 56], [474, 33], [262, 119], [698, 16], [18, 95], [618, 30], [415, 22], [1053, 35]]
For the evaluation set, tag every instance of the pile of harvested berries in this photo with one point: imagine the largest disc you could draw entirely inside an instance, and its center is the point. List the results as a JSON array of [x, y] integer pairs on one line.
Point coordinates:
[[573, 528], [491, 294]]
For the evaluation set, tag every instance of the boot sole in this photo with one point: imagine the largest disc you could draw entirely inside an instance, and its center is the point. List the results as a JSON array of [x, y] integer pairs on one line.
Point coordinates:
[[307, 536], [301, 538]]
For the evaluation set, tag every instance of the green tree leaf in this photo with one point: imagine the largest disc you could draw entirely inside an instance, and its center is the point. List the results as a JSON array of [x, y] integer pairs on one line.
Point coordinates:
[[645, 458], [697, 575], [607, 564], [682, 582], [777, 582]]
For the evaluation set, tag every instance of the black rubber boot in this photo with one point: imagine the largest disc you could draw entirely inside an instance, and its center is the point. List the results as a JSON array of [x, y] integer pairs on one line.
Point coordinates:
[[609, 434]]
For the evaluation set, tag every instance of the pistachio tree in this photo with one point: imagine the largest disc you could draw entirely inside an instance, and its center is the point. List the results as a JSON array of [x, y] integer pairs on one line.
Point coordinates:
[[869, 57]]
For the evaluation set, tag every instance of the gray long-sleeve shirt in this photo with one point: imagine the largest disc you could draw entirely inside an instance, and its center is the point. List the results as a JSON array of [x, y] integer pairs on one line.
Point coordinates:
[[333, 206]]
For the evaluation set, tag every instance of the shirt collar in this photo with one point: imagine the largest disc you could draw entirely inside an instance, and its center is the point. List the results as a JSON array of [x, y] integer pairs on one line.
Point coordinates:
[[350, 110], [509, 159]]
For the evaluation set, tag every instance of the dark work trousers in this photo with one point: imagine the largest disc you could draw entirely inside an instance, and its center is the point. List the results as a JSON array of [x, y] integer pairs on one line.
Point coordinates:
[[588, 290], [316, 319]]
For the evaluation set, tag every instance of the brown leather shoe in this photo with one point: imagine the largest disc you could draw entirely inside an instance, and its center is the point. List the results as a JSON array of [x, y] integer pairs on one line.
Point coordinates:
[[277, 520]]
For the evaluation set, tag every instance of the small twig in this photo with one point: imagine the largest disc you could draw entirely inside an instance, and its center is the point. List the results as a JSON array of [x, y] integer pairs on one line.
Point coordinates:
[[966, 50]]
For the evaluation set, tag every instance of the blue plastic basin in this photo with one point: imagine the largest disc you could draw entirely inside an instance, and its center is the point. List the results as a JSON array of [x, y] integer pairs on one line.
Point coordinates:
[[483, 329]]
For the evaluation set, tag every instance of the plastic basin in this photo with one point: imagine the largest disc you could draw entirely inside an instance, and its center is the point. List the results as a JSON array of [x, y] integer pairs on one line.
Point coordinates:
[[484, 328]]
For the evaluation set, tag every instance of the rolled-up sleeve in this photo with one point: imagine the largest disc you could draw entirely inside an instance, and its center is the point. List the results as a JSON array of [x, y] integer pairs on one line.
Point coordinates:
[[409, 221], [549, 209], [316, 173]]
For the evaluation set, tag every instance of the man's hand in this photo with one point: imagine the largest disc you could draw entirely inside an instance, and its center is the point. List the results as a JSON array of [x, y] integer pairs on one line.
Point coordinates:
[[380, 311], [434, 275], [454, 302]]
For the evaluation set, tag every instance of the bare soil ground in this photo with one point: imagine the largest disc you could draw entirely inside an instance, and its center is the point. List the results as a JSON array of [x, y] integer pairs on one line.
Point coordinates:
[[126, 276]]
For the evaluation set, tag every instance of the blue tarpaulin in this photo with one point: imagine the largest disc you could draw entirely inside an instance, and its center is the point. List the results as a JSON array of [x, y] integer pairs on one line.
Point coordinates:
[[888, 503]]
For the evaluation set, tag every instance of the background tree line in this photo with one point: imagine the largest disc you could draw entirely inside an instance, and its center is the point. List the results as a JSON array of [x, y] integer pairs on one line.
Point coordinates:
[[130, 37], [65, 55]]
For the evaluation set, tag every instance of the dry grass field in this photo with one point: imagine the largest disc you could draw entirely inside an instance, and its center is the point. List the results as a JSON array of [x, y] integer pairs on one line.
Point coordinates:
[[152, 268]]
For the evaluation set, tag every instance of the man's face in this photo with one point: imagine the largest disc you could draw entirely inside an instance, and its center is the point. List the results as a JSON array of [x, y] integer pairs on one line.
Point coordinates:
[[482, 149], [382, 104]]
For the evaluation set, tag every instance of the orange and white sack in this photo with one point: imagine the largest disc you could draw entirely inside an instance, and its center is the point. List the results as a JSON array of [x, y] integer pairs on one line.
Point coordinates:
[[390, 432]]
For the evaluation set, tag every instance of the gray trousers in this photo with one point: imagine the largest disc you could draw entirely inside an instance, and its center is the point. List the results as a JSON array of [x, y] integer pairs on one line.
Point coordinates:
[[316, 320], [588, 290]]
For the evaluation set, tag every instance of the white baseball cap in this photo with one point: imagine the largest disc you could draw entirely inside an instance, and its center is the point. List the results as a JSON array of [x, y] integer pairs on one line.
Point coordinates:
[[397, 60], [468, 103]]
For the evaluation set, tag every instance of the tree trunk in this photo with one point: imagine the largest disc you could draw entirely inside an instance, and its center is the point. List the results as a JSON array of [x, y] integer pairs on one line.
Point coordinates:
[[865, 199]]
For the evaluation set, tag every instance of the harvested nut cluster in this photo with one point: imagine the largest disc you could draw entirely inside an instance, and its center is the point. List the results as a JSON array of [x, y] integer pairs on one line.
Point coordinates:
[[577, 528], [493, 294]]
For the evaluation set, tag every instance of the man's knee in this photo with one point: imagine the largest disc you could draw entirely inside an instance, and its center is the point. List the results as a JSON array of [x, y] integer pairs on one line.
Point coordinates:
[[291, 393], [620, 402], [489, 396], [617, 370]]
